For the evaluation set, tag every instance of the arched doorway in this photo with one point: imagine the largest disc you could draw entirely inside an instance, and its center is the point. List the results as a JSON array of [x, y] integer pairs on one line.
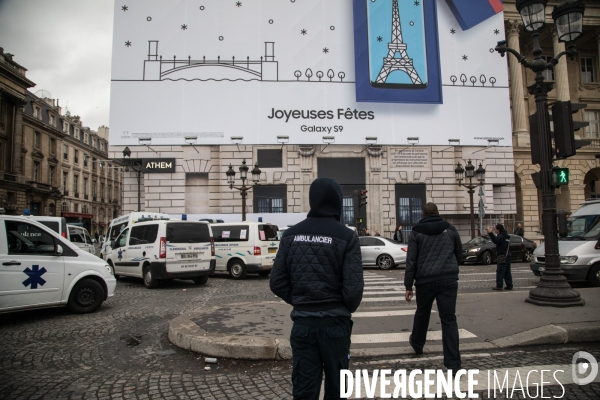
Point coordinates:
[[592, 184], [52, 210]]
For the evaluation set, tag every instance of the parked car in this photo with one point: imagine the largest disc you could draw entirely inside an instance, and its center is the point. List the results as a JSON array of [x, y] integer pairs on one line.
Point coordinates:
[[482, 250], [39, 268], [381, 252]]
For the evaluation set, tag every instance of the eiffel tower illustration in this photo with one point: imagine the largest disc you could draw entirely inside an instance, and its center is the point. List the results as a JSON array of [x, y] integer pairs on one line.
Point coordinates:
[[403, 63]]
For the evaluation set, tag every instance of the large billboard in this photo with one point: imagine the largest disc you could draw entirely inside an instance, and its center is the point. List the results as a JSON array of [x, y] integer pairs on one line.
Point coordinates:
[[283, 71]]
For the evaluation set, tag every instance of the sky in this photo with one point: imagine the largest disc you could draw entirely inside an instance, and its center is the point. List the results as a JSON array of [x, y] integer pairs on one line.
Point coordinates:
[[66, 47]]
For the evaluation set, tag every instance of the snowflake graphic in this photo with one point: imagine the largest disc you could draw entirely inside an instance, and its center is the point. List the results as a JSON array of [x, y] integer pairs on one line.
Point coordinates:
[[325, 50], [496, 31], [452, 31], [128, 43], [379, 38], [35, 276], [464, 57], [120, 255], [124, 8], [238, 4], [303, 31], [417, 3], [184, 27]]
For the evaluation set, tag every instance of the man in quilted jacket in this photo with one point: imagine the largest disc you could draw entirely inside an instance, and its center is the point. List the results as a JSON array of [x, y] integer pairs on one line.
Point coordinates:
[[434, 254], [318, 270]]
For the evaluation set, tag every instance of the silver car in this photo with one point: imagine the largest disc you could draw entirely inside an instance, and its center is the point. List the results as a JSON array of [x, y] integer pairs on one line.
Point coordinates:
[[381, 252]]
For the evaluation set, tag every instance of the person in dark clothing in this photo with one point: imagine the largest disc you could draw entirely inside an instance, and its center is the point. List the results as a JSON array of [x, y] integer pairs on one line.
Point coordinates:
[[502, 241], [318, 270], [518, 230], [434, 254], [398, 235]]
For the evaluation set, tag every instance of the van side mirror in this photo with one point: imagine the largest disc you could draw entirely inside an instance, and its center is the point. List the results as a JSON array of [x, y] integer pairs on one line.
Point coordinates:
[[597, 246], [58, 250]]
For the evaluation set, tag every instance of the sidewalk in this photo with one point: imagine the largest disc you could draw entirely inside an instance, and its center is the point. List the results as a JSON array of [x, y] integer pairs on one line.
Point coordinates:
[[486, 320]]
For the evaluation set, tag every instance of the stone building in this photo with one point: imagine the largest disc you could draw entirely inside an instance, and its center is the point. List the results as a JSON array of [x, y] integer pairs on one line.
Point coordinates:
[[63, 168], [576, 80]]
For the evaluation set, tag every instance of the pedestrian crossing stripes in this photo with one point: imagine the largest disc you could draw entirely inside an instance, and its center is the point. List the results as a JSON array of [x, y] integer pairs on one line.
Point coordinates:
[[380, 293], [403, 337], [382, 283], [389, 313], [374, 299]]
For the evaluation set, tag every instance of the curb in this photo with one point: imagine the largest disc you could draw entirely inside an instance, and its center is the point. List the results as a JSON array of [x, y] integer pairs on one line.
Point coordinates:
[[186, 334]]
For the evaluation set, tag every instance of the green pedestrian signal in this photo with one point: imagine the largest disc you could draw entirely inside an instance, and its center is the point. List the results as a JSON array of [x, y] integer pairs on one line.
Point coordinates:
[[560, 176]]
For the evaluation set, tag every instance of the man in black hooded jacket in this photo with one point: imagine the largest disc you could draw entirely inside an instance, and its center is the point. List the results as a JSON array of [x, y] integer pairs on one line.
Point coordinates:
[[318, 270], [502, 241], [434, 254]]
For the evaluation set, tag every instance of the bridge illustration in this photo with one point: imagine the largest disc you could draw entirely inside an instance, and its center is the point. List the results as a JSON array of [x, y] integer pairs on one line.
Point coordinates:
[[157, 68]]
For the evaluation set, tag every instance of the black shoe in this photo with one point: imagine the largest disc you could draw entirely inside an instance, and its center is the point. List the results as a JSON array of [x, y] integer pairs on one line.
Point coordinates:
[[507, 288], [496, 288], [417, 351]]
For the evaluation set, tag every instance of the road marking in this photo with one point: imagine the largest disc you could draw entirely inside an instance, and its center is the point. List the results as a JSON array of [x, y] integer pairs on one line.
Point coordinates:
[[382, 283], [379, 293], [357, 365], [403, 337], [391, 313], [373, 289], [375, 299], [377, 279]]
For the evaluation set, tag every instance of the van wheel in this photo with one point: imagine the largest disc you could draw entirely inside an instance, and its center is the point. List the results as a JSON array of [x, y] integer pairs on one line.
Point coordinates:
[[201, 281], [237, 269], [149, 281], [86, 297], [385, 261], [594, 276]]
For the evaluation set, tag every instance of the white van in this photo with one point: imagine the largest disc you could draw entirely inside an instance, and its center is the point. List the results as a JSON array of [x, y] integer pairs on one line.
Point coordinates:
[[39, 268], [245, 247], [118, 224], [158, 250], [80, 236], [580, 249], [57, 224]]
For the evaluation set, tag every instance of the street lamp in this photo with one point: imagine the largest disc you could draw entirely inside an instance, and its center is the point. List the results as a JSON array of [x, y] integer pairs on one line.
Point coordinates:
[[55, 195], [469, 172], [230, 173], [137, 168], [553, 289]]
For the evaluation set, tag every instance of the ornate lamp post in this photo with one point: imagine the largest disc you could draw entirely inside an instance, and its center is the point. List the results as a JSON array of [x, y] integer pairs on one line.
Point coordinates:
[[243, 176], [55, 195], [553, 289], [137, 168], [469, 172]]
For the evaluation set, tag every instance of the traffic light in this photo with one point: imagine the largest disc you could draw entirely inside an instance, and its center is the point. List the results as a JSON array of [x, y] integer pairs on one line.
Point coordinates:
[[564, 128], [560, 177], [363, 197]]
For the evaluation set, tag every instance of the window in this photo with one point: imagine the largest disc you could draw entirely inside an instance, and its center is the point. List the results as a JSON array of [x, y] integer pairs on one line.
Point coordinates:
[[36, 171], [409, 204], [76, 133], [94, 142], [65, 127], [64, 207], [52, 210], [75, 207], [233, 233], [102, 213], [270, 198], [122, 239], [84, 209], [85, 187], [76, 184], [37, 112], [76, 236], [36, 139], [116, 192], [148, 233], [85, 160], [65, 180], [94, 185], [587, 69], [593, 130], [109, 193], [102, 146], [269, 158], [65, 152], [52, 146], [102, 190], [348, 211], [76, 156], [86, 138], [51, 175], [51, 119], [23, 238], [549, 73]]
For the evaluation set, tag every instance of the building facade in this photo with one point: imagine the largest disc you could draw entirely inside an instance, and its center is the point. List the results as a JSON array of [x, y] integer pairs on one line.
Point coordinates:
[[63, 169]]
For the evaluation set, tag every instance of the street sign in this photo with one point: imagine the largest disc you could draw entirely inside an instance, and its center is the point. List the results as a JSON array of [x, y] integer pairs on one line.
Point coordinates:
[[560, 176], [481, 209]]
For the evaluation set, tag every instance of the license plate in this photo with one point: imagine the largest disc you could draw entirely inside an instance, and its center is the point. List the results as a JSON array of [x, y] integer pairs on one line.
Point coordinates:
[[189, 256], [272, 250]]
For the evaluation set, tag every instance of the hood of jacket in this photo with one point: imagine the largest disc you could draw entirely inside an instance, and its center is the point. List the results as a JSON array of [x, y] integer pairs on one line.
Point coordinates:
[[504, 234], [432, 225], [325, 197]]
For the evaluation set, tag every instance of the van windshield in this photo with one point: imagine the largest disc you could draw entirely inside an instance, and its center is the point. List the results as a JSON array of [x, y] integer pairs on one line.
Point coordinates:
[[268, 232], [187, 232], [585, 227]]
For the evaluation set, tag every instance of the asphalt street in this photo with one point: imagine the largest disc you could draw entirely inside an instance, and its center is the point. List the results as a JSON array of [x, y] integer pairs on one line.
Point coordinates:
[[122, 351]]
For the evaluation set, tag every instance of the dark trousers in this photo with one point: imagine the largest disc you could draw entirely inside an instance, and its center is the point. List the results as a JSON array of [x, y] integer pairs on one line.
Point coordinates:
[[319, 344], [503, 274], [444, 293]]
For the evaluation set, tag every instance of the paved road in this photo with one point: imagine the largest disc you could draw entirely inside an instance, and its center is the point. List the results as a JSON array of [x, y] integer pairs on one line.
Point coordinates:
[[122, 351]]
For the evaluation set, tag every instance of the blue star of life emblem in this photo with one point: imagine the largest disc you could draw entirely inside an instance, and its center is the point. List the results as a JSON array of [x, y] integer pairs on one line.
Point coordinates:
[[120, 254], [35, 276]]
